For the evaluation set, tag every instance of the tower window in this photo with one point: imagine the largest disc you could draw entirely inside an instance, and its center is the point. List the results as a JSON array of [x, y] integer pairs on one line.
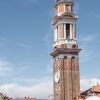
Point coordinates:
[[56, 34], [67, 31], [68, 8], [73, 58]]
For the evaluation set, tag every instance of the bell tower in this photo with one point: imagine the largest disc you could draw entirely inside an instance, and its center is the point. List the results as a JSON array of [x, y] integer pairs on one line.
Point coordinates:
[[65, 52]]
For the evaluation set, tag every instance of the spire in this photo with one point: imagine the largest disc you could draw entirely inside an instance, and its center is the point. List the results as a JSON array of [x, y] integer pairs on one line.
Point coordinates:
[[69, 0], [64, 1]]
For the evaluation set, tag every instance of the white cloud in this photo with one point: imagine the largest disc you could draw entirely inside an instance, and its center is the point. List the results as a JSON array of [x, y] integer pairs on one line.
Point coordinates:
[[31, 81], [86, 83], [41, 90]]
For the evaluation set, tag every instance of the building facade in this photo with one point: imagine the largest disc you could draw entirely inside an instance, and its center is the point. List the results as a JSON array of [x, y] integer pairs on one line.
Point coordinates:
[[93, 91], [4, 97], [65, 52]]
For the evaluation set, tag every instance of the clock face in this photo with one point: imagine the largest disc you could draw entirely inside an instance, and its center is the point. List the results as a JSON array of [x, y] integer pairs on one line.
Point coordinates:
[[57, 76]]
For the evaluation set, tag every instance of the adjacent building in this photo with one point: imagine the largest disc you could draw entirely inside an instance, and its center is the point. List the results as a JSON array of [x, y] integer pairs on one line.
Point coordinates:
[[4, 97], [94, 91]]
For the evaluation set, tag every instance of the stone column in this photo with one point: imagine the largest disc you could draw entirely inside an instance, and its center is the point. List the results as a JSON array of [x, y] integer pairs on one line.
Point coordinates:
[[60, 31], [74, 31], [71, 31], [64, 31]]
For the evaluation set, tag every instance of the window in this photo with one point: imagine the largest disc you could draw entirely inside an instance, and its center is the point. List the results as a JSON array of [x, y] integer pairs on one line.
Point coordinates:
[[56, 34], [68, 8], [67, 31], [73, 58]]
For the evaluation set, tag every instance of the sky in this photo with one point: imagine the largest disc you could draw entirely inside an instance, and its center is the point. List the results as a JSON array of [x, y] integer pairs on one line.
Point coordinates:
[[26, 39]]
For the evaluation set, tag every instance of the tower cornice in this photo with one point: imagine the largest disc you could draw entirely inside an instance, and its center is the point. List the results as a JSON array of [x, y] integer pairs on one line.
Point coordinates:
[[64, 51], [64, 2], [66, 15]]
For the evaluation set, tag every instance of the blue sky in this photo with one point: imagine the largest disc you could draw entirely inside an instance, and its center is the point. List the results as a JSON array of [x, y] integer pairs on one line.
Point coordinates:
[[26, 38]]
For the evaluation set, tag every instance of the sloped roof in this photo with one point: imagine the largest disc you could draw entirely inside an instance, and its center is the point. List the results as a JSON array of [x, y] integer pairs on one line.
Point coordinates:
[[96, 88]]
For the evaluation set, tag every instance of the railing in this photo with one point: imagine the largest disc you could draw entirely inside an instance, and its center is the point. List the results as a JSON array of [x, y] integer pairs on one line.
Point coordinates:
[[64, 41]]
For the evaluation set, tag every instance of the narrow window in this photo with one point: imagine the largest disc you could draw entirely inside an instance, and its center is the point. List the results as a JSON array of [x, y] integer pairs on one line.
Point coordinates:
[[71, 8], [56, 34], [68, 8], [67, 31]]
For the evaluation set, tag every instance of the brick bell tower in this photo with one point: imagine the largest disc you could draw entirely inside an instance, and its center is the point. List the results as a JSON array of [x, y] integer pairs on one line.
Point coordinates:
[[65, 52]]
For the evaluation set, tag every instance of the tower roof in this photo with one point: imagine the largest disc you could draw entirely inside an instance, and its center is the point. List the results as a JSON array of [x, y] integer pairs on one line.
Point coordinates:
[[64, 0]]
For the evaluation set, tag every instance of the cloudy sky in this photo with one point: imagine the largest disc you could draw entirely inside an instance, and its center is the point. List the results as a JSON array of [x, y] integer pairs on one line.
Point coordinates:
[[26, 38]]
